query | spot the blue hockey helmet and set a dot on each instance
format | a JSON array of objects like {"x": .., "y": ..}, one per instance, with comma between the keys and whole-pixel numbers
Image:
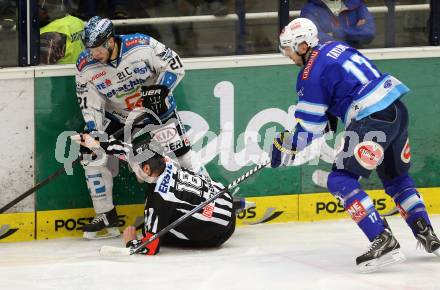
[{"x": 97, "y": 31}]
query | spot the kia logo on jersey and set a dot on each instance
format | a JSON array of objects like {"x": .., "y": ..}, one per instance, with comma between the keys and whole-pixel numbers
[{"x": 165, "y": 135}]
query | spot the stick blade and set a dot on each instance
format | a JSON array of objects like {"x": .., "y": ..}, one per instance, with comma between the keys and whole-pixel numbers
[{"x": 114, "y": 251}]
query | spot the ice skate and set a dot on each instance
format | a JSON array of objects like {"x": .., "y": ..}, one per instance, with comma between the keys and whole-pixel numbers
[
  {"x": 383, "y": 251},
  {"x": 103, "y": 226},
  {"x": 426, "y": 237}
]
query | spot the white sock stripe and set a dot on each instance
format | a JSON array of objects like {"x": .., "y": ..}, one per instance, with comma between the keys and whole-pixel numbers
[
  {"x": 410, "y": 202},
  {"x": 367, "y": 203},
  {"x": 402, "y": 192}
]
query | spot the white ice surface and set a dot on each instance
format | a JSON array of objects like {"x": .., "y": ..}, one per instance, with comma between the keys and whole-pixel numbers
[{"x": 318, "y": 255}]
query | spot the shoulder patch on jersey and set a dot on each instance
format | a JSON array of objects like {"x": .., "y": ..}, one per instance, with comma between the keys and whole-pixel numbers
[
  {"x": 309, "y": 65},
  {"x": 131, "y": 41},
  {"x": 84, "y": 59}
]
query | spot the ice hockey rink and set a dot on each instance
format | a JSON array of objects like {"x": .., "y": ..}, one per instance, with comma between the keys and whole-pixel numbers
[{"x": 318, "y": 255}]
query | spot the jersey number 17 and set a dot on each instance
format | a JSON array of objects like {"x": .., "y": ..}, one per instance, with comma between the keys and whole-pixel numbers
[{"x": 358, "y": 66}]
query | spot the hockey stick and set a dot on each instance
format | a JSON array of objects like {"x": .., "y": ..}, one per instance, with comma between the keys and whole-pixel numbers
[
  {"x": 119, "y": 251},
  {"x": 62, "y": 170}
]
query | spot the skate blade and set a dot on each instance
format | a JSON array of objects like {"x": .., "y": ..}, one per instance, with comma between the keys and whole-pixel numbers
[
  {"x": 103, "y": 234},
  {"x": 395, "y": 256}
]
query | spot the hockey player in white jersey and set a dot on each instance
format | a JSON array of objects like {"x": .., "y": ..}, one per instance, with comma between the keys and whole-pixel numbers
[{"x": 112, "y": 74}]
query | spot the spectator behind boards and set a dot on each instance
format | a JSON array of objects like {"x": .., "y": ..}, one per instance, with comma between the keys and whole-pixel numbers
[
  {"x": 60, "y": 34},
  {"x": 346, "y": 20}
]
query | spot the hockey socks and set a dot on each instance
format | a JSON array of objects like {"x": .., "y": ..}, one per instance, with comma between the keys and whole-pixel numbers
[
  {"x": 408, "y": 200},
  {"x": 346, "y": 187}
]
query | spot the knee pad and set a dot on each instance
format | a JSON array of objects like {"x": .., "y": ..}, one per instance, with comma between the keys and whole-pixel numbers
[
  {"x": 405, "y": 195},
  {"x": 100, "y": 185}
]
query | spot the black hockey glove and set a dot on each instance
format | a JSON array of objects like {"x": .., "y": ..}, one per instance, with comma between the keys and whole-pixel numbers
[
  {"x": 111, "y": 147},
  {"x": 154, "y": 98},
  {"x": 332, "y": 123},
  {"x": 282, "y": 151},
  {"x": 116, "y": 147}
]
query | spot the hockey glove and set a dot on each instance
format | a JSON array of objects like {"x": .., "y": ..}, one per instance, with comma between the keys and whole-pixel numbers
[
  {"x": 91, "y": 144},
  {"x": 150, "y": 249},
  {"x": 282, "y": 151},
  {"x": 332, "y": 123},
  {"x": 116, "y": 147},
  {"x": 155, "y": 98}
]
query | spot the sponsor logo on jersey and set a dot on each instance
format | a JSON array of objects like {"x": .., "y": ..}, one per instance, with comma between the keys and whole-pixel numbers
[
  {"x": 309, "y": 65},
  {"x": 98, "y": 75},
  {"x": 125, "y": 89},
  {"x": 164, "y": 185},
  {"x": 122, "y": 116},
  {"x": 164, "y": 135},
  {"x": 104, "y": 84},
  {"x": 82, "y": 63},
  {"x": 369, "y": 154},
  {"x": 173, "y": 146},
  {"x": 208, "y": 210},
  {"x": 80, "y": 88},
  {"x": 301, "y": 92},
  {"x": 6, "y": 231},
  {"x": 387, "y": 84},
  {"x": 405, "y": 155},
  {"x": 133, "y": 42},
  {"x": 127, "y": 72},
  {"x": 167, "y": 53},
  {"x": 357, "y": 211}
]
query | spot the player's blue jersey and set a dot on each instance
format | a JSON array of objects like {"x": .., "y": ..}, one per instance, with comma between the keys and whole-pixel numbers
[{"x": 339, "y": 80}]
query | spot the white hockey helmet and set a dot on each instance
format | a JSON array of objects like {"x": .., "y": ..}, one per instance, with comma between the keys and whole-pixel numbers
[{"x": 298, "y": 31}]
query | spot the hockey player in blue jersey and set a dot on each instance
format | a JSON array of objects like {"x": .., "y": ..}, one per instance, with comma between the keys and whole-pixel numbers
[{"x": 338, "y": 80}]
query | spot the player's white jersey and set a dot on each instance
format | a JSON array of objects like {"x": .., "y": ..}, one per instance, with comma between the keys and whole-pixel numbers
[{"x": 115, "y": 88}]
